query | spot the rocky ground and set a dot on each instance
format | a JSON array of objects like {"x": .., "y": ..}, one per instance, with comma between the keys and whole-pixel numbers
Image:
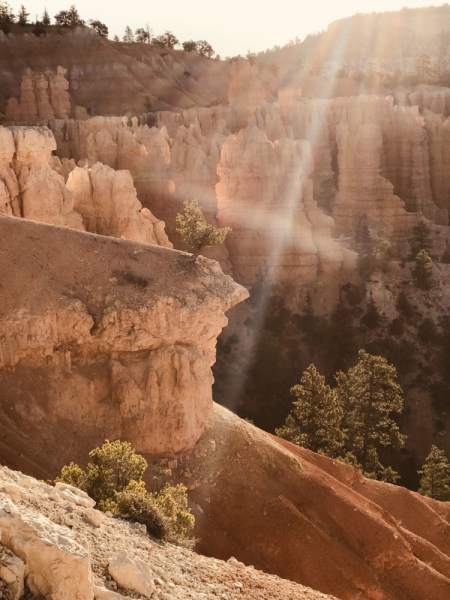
[{"x": 57, "y": 523}]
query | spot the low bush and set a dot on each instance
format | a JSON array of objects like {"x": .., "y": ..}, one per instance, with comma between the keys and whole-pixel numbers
[{"x": 114, "y": 480}]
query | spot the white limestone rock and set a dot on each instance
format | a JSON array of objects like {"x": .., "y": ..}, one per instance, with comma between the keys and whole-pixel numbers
[
  {"x": 131, "y": 573},
  {"x": 57, "y": 566},
  {"x": 75, "y": 495},
  {"x": 94, "y": 516}
]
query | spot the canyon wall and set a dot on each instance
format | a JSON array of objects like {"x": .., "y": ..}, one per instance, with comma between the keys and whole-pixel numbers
[
  {"x": 106, "y": 337},
  {"x": 98, "y": 199},
  {"x": 265, "y": 196},
  {"x": 288, "y": 176},
  {"x": 44, "y": 96}
]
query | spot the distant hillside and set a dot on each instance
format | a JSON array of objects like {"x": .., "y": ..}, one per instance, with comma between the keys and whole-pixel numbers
[
  {"x": 111, "y": 78},
  {"x": 374, "y": 50}
]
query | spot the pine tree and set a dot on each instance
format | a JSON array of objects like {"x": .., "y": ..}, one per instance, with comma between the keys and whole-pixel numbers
[
  {"x": 421, "y": 238},
  {"x": 99, "y": 27},
  {"x": 69, "y": 18},
  {"x": 424, "y": 69},
  {"x": 189, "y": 46},
  {"x": 423, "y": 270},
  {"x": 368, "y": 395},
  {"x": 6, "y": 13},
  {"x": 128, "y": 36},
  {"x": 435, "y": 480},
  {"x": 403, "y": 306},
  {"x": 315, "y": 420},
  {"x": 23, "y": 16},
  {"x": 204, "y": 48},
  {"x": 46, "y": 18},
  {"x": 167, "y": 40},
  {"x": 195, "y": 231},
  {"x": 144, "y": 34},
  {"x": 308, "y": 325},
  {"x": 341, "y": 337},
  {"x": 372, "y": 317}
]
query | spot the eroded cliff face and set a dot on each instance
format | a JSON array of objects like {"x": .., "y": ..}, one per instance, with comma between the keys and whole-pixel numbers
[
  {"x": 29, "y": 188},
  {"x": 98, "y": 199},
  {"x": 44, "y": 96},
  {"x": 104, "y": 338},
  {"x": 370, "y": 158},
  {"x": 265, "y": 196}
]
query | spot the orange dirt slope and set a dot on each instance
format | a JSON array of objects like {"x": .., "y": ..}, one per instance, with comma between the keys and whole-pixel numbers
[{"x": 313, "y": 520}]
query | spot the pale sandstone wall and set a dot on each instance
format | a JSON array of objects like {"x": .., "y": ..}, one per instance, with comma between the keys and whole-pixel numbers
[
  {"x": 107, "y": 202},
  {"x": 29, "y": 187},
  {"x": 265, "y": 196},
  {"x": 362, "y": 190},
  {"x": 44, "y": 96},
  {"x": 99, "y": 199}
]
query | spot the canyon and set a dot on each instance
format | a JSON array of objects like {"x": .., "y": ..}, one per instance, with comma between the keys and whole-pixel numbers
[{"x": 109, "y": 328}]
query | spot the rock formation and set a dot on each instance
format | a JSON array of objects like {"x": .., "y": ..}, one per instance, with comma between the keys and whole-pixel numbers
[
  {"x": 44, "y": 96},
  {"x": 29, "y": 188},
  {"x": 265, "y": 196},
  {"x": 123, "y": 334},
  {"x": 389, "y": 167},
  {"x": 99, "y": 199},
  {"x": 107, "y": 202},
  {"x": 362, "y": 190}
]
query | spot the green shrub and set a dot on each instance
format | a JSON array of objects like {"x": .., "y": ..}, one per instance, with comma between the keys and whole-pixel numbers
[
  {"x": 114, "y": 480},
  {"x": 142, "y": 507},
  {"x": 195, "y": 231},
  {"x": 173, "y": 502}
]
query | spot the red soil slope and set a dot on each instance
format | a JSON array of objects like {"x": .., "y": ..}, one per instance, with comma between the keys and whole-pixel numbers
[{"x": 313, "y": 520}]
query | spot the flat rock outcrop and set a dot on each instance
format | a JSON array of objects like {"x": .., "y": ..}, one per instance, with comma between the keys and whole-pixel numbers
[{"x": 106, "y": 336}]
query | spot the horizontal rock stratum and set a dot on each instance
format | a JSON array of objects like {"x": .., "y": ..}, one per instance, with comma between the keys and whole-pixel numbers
[{"x": 103, "y": 338}]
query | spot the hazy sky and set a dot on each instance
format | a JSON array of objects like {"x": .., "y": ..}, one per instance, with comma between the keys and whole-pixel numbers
[{"x": 230, "y": 26}]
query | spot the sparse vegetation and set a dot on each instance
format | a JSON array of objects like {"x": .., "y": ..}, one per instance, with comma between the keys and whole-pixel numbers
[
  {"x": 195, "y": 231},
  {"x": 435, "y": 480},
  {"x": 114, "y": 480},
  {"x": 351, "y": 421},
  {"x": 315, "y": 420},
  {"x": 422, "y": 272}
]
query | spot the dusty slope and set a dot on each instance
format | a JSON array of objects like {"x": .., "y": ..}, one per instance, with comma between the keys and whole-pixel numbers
[
  {"x": 313, "y": 520},
  {"x": 175, "y": 573}
]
